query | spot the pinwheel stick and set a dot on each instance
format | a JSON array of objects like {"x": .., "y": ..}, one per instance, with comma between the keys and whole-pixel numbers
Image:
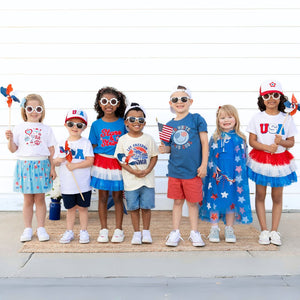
[{"x": 77, "y": 185}]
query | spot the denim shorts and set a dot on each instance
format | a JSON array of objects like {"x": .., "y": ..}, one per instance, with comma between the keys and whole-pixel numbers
[{"x": 143, "y": 198}]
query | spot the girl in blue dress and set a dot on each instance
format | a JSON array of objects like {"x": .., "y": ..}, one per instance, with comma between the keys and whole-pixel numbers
[{"x": 226, "y": 190}]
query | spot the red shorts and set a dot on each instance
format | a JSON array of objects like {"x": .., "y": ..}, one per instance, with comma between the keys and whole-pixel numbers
[{"x": 189, "y": 189}]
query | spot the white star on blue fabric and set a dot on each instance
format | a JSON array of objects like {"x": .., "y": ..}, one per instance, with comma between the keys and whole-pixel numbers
[
  {"x": 214, "y": 145},
  {"x": 208, "y": 206},
  {"x": 237, "y": 159},
  {"x": 224, "y": 195},
  {"x": 238, "y": 178},
  {"x": 245, "y": 219},
  {"x": 241, "y": 199},
  {"x": 209, "y": 185},
  {"x": 210, "y": 164}
]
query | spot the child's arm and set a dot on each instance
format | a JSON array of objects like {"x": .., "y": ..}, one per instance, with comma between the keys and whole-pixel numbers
[
  {"x": 52, "y": 166},
  {"x": 288, "y": 143},
  {"x": 88, "y": 162},
  {"x": 201, "y": 171},
  {"x": 259, "y": 146},
  {"x": 162, "y": 148},
  {"x": 12, "y": 147}
]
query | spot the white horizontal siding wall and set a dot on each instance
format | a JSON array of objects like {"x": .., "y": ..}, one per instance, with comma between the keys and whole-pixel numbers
[{"x": 67, "y": 50}]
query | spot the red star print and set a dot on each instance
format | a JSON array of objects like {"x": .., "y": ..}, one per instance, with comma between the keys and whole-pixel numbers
[
  {"x": 217, "y": 155},
  {"x": 232, "y": 206},
  {"x": 214, "y": 196},
  {"x": 214, "y": 216}
]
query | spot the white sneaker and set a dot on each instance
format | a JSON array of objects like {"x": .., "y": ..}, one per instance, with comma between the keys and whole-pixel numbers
[
  {"x": 67, "y": 237},
  {"x": 214, "y": 235},
  {"x": 264, "y": 237},
  {"x": 229, "y": 235},
  {"x": 195, "y": 238},
  {"x": 173, "y": 238},
  {"x": 26, "y": 235},
  {"x": 136, "y": 238},
  {"x": 84, "y": 237},
  {"x": 42, "y": 234},
  {"x": 118, "y": 236},
  {"x": 275, "y": 238},
  {"x": 103, "y": 236},
  {"x": 147, "y": 239}
]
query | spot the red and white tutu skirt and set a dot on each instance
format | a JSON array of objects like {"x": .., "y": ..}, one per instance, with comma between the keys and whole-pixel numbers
[
  {"x": 106, "y": 173},
  {"x": 275, "y": 170}
]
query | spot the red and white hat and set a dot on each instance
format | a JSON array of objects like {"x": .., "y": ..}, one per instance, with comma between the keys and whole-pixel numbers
[
  {"x": 270, "y": 86},
  {"x": 77, "y": 113}
]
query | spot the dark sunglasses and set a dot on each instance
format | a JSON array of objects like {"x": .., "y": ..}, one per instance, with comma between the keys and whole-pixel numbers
[
  {"x": 275, "y": 96},
  {"x": 30, "y": 109},
  {"x": 182, "y": 99},
  {"x": 140, "y": 120},
  {"x": 112, "y": 101},
  {"x": 78, "y": 125}
]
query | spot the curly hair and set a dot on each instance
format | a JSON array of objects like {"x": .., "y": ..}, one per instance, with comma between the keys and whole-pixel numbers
[
  {"x": 281, "y": 106},
  {"x": 119, "y": 95}
]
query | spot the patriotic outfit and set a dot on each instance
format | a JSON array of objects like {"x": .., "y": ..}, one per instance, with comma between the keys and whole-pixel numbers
[
  {"x": 106, "y": 171},
  {"x": 226, "y": 188},
  {"x": 32, "y": 172},
  {"x": 267, "y": 169}
]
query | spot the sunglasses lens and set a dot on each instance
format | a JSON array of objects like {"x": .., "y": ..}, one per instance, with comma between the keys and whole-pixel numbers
[
  {"x": 113, "y": 101},
  {"x": 266, "y": 97},
  {"x": 276, "y": 96},
  {"x": 79, "y": 125},
  {"x": 39, "y": 109},
  {"x": 174, "y": 100},
  {"x": 70, "y": 124},
  {"x": 184, "y": 99},
  {"x": 29, "y": 109},
  {"x": 103, "y": 101},
  {"x": 131, "y": 119},
  {"x": 141, "y": 120}
]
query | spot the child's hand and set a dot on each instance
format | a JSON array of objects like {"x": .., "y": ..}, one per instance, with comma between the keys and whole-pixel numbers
[
  {"x": 71, "y": 166},
  {"x": 278, "y": 139},
  {"x": 9, "y": 134},
  {"x": 162, "y": 148},
  {"x": 53, "y": 174},
  {"x": 201, "y": 171},
  {"x": 58, "y": 161},
  {"x": 140, "y": 173},
  {"x": 273, "y": 148}
]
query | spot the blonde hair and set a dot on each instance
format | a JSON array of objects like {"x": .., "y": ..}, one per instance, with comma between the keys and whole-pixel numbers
[
  {"x": 230, "y": 111},
  {"x": 41, "y": 103}
]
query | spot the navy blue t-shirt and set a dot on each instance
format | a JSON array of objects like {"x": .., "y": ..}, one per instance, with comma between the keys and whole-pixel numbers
[{"x": 186, "y": 149}]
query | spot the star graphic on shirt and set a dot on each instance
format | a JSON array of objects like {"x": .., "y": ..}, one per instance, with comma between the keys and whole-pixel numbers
[
  {"x": 237, "y": 159},
  {"x": 214, "y": 145},
  {"x": 238, "y": 169},
  {"x": 239, "y": 189},
  {"x": 241, "y": 199},
  {"x": 232, "y": 206},
  {"x": 237, "y": 148},
  {"x": 210, "y": 164},
  {"x": 238, "y": 179},
  {"x": 208, "y": 206},
  {"x": 245, "y": 219},
  {"x": 214, "y": 196},
  {"x": 242, "y": 210},
  {"x": 224, "y": 195},
  {"x": 209, "y": 185}
]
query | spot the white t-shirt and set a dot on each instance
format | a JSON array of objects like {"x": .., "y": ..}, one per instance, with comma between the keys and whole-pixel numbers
[
  {"x": 81, "y": 149},
  {"x": 33, "y": 139},
  {"x": 265, "y": 127},
  {"x": 138, "y": 152}
]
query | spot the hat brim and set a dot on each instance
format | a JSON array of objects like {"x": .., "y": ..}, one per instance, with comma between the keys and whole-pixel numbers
[{"x": 76, "y": 117}]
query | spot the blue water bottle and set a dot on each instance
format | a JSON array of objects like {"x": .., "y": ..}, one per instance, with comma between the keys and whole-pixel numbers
[{"x": 54, "y": 210}]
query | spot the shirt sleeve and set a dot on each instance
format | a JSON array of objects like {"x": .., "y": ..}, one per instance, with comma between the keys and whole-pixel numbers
[
  {"x": 51, "y": 141},
  {"x": 201, "y": 123},
  {"x": 93, "y": 136}
]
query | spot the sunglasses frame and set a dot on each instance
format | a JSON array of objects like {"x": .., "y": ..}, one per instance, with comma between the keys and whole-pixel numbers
[
  {"x": 74, "y": 123},
  {"x": 34, "y": 109},
  {"x": 176, "y": 99},
  {"x": 109, "y": 101},
  {"x": 271, "y": 94},
  {"x": 136, "y": 119}
]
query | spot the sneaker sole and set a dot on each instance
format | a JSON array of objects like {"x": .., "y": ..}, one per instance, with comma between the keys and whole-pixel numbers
[
  {"x": 264, "y": 243},
  {"x": 84, "y": 242},
  {"x": 276, "y": 243},
  {"x": 117, "y": 241},
  {"x": 171, "y": 245},
  {"x": 198, "y": 244},
  {"x": 230, "y": 241},
  {"x": 65, "y": 242},
  {"x": 25, "y": 240},
  {"x": 44, "y": 239},
  {"x": 214, "y": 240},
  {"x": 102, "y": 241}
]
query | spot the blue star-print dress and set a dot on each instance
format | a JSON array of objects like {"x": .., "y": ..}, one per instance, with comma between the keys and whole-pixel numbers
[{"x": 226, "y": 188}]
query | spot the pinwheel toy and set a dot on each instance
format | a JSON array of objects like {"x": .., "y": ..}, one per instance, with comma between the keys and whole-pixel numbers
[
  {"x": 291, "y": 109},
  {"x": 8, "y": 93}
]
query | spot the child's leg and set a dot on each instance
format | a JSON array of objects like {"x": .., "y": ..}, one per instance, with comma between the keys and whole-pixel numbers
[
  {"x": 277, "y": 207},
  {"x": 177, "y": 212},
  {"x": 193, "y": 213},
  {"x": 118, "y": 199},
  {"x": 83, "y": 217},
  {"x": 28, "y": 209},
  {"x": 146, "y": 216},
  {"x": 229, "y": 219},
  {"x": 71, "y": 214},
  {"x": 40, "y": 209},
  {"x": 135, "y": 219},
  {"x": 260, "y": 195},
  {"x": 102, "y": 207}
]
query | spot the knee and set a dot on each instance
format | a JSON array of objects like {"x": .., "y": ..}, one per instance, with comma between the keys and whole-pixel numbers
[{"x": 178, "y": 203}]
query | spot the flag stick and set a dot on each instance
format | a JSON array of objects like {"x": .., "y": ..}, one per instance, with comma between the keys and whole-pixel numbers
[{"x": 77, "y": 185}]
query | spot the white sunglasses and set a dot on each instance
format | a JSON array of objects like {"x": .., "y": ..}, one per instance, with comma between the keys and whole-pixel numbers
[
  {"x": 30, "y": 109},
  {"x": 112, "y": 101},
  {"x": 275, "y": 96}
]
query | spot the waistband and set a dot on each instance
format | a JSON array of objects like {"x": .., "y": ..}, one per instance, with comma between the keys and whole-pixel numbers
[{"x": 33, "y": 158}]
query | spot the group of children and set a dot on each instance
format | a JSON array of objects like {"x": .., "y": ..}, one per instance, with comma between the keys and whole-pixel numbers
[{"x": 119, "y": 157}]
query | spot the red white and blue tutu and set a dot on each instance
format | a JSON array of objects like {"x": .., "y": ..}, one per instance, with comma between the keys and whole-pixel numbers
[
  {"x": 107, "y": 173},
  {"x": 275, "y": 170}
]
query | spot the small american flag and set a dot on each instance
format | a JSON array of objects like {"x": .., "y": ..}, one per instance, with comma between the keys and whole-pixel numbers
[{"x": 165, "y": 132}]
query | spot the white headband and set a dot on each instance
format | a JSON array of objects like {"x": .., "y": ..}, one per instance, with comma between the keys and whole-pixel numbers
[
  {"x": 187, "y": 91},
  {"x": 129, "y": 107}
]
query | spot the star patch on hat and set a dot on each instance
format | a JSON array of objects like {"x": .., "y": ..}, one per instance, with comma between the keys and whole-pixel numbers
[{"x": 270, "y": 86}]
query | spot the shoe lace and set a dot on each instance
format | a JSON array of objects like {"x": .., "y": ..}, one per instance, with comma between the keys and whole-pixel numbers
[{"x": 174, "y": 236}]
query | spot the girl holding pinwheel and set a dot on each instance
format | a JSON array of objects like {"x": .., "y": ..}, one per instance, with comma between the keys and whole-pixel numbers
[
  {"x": 33, "y": 143},
  {"x": 270, "y": 163},
  {"x": 226, "y": 190}
]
